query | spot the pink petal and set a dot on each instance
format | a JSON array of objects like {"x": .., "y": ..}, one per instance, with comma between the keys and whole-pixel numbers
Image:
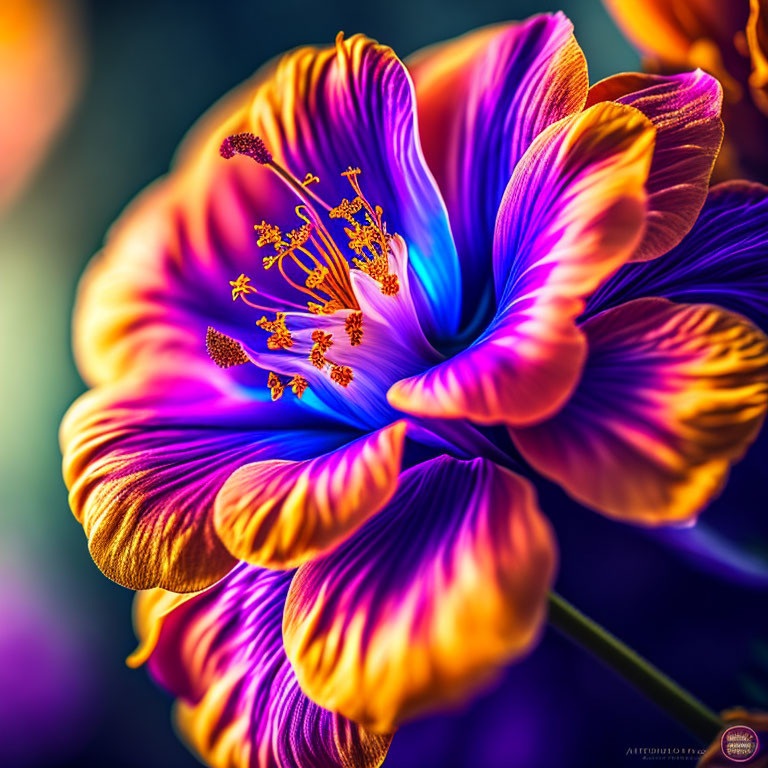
[{"x": 573, "y": 212}]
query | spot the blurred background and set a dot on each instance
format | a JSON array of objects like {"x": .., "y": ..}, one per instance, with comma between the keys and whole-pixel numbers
[{"x": 94, "y": 99}]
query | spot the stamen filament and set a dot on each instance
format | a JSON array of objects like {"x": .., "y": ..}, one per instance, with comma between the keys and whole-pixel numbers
[
  {"x": 282, "y": 304},
  {"x": 304, "y": 193},
  {"x": 311, "y": 256},
  {"x": 298, "y": 261},
  {"x": 290, "y": 282}
]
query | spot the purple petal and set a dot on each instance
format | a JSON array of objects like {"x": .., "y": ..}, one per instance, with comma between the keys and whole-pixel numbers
[
  {"x": 354, "y": 105},
  {"x": 671, "y": 396},
  {"x": 723, "y": 260},
  {"x": 163, "y": 276},
  {"x": 145, "y": 459},
  {"x": 239, "y": 704},
  {"x": 483, "y": 98},
  {"x": 685, "y": 109},
  {"x": 428, "y": 599},
  {"x": 572, "y": 213}
]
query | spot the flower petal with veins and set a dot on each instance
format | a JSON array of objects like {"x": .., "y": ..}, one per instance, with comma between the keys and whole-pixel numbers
[
  {"x": 573, "y": 212},
  {"x": 671, "y": 396},
  {"x": 427, "y": 600},
  {"x": 279, "y": 513},
  {"x": 239, "y": 704}
]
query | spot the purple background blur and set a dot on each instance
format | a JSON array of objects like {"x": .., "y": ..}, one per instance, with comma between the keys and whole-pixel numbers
[{"x": 66, "y": 698}]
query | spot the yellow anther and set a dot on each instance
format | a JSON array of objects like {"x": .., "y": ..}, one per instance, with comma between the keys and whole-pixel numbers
[
  {"x": 223, "y": 350},
  {"x": 280, "y": 337},
  {"x": 298, "y": 384},
  {"x": 354, "y": 328},
  {"x": 311, "y": 262},
  {"x": 241, "y": 286},
  {"x": 276, "y": 386},
  {"x": 316, "y": 277},
  {"x": 390, "y": 285},
  {"x": 269, "y": 234},
  {"x": 377, "y": 268},
  {"x": 297, "y": 237},
  {"x": 362, "y": 237},
  {"x": 347, "y": 210},
  {"x": 316, "y": 357},
  {"x": 324, "y": 309},
  {"x": 323, "y": 341},
  {"x": 341, "y": 374}
]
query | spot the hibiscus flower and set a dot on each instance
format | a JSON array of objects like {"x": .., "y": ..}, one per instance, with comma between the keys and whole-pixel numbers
[{"x": 315, "y": 445}]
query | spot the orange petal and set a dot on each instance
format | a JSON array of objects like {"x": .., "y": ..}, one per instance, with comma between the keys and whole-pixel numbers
[
  {"x": 672, "y": 395},
  {"x": 685, "y": 110},
  {"x": 144, "y": 460},
  {"x": 427, "y": 601},
  {"x": 671, "y": 32},
  {"x": 279, "y": 514}
]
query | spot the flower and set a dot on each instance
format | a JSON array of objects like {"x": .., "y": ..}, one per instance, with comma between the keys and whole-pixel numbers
[
  {"x": 726, "y": 39},
  {"x": 505, "y": 288}
]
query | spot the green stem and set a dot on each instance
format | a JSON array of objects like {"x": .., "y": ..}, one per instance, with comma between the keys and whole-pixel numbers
[{"x": 694, "y": 716}]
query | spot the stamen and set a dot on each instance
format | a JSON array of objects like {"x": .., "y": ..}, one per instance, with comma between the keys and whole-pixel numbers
[
  {"x": 298, "y": 384},
  {"x": 347, "y": 210},
  {"x": 323, "y": 341},
  {"x": 241, "y": 286},
  {"x": 280, "y": 337},
  {"x": 245, "y": 144},
  {"x": 316, "y": 277},
  {"x": 324, "y": 309},
  {"x": 354, "y": 328},
  {"x": 341, "y": 374},
  {"x": 223, "y": 350},
  {"x": 324, "y": 272},
  {"x": 390, "y": 285},
  {"x": 276, "y": 386},
  {"x": 268, "y": 235},
  {"x": 316, "y": 357}
]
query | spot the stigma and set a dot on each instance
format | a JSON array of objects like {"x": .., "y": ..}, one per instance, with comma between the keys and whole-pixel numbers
[{"x": 313, "y": 265}]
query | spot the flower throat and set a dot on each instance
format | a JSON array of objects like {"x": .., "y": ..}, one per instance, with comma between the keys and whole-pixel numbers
[{"x": 321, "y": 271}]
